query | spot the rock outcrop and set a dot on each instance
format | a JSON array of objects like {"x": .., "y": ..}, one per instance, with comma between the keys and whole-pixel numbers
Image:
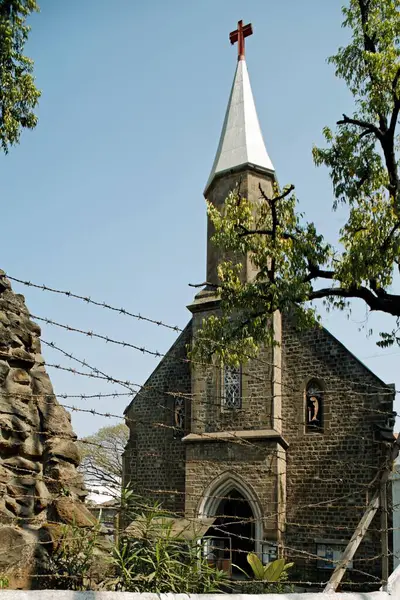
[{"x": 39, "y": 481}]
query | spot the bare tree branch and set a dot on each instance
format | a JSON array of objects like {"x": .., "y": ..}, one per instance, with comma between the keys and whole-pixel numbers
[
  {"x": 276, "y": 198},
  {"x": 369, "y": 127}
]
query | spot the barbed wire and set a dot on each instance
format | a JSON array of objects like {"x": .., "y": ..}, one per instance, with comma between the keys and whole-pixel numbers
[
  {"x": 88, "y": 300},
  {"x": 102, "y": 374},
  {"x": 358, "y": 487},
  {"x": 188, "y": 395},
  {"x": 206, "y": 435},
  {"x": 154, "y": 424},
  {"x": 300, "y": 551},
  {"x": 99, "y": 336},
  {"x": 384, "y": 388},
  {"x": 234, "y": 435},
  {"x": 158, "y": 354}
]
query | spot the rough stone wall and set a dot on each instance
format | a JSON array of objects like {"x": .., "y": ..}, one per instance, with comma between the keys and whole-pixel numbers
[
  {"x": 39, "y": 481},
  {"x": 155, "y": 456},
  {"x": 329, "y": 474}
]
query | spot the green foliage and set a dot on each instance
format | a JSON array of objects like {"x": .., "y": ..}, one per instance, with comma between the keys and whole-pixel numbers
[
  {"x": 361, "y": 156},
  {"x": 272, "y": 572},
  {"x": 155, "y": 560},
  {"x": 4, "y": 582},
  {"x": 294, "y": 266},
  {"x": 160, "y": 562},
  {"x": 18, "y": 94},
  {"x": 282, "y": 249},
  {"x": 71, "y": 561},
  {"x": 267, "y": 579}
]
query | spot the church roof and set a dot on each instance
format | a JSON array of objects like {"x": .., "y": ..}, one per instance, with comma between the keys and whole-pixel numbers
[{"x": 241, "y": 140}]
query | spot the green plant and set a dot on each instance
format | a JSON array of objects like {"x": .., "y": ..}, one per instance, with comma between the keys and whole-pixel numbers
[
  {"x": 270, "y": 578},
  {"x": 158, "y": 561},
  {"x": 71, "y": 561},
  {"x": 272, "y": 572},
  {"x": 4, "y": 582}
]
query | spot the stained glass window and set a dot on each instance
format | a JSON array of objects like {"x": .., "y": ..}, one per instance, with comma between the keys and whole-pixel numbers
[{"x": 232, "y": 392}]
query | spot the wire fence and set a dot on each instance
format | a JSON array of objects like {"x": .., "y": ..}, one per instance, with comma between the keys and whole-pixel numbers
[{"x": 322, "y": 499}]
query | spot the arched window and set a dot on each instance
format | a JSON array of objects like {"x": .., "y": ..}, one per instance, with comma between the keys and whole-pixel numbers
[
  {"x": 314, "y": 418},
  {"x": 231, "y": 387}
]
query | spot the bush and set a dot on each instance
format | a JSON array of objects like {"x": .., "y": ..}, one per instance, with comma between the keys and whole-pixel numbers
[
  {"x": 72, "y": 558},
  {"x": 161, "y": 562}
]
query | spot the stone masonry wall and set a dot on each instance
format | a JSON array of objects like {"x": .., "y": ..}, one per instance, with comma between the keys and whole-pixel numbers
[
  {"x": 248, "y": 184},
  {"x": 208, "y": 411},
  {"x": 155, "y": 456},
  {"x": 329, "y": 474},
  {"x": 254, "y": 463},
  {"x": 39, "y": 482}
]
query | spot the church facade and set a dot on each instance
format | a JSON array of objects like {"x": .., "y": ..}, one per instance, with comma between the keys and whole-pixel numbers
[{"x": 281, "y": 456}]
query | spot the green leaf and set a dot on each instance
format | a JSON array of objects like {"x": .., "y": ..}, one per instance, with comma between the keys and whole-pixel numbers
[
  {"x": 274, "y": 570},
  {"x": 256, "y": 566}
]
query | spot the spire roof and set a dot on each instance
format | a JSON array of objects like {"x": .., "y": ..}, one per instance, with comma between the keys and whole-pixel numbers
[{"x": 241, "y": 142}]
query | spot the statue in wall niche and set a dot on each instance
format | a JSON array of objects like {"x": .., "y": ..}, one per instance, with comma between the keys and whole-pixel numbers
[
  {"x": 179, "y": 414},
  {"x": 40, "y": 485},
  {"x": 313, "y": 409}
]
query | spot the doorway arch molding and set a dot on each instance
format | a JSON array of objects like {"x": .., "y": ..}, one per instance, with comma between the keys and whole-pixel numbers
[{"x": 220, "y": 487}]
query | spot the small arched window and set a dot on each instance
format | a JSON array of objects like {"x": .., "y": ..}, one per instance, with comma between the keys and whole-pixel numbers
[{"x": 314, "y": 418}]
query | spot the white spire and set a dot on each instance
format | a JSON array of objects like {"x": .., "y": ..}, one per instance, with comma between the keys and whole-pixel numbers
[{"x": 241, "y": 140}]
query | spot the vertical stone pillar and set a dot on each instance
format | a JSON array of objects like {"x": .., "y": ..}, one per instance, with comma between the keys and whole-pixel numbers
[{"x": 39, "y": 456}]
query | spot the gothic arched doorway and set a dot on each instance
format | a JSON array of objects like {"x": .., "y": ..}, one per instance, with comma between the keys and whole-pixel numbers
[
  {"x": 232, "y": 535},
  {"x": 237, "y": 529}
]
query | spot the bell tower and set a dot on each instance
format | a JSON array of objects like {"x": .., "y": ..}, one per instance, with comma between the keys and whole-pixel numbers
[
  {"x": 236, "y": 422},
  {"x": 241, "y": 159}
]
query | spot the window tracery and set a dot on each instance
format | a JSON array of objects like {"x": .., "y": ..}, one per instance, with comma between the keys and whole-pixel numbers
[{"x": 232, "y": 387}]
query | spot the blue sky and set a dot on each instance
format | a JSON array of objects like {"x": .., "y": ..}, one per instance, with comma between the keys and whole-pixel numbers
[{"x": 105, "y": 199}]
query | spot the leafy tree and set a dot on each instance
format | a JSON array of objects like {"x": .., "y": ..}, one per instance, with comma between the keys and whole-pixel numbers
[
  {"x": 102, "y": 457},
  {"x": 295, "y": 265},
  {"x": 18, "y": 94}
]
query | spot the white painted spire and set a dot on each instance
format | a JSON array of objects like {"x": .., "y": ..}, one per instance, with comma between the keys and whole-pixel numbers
[{"x": 241, "y": 140}]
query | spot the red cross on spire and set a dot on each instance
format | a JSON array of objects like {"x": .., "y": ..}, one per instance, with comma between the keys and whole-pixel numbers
[{"x": 238, "y": 36}]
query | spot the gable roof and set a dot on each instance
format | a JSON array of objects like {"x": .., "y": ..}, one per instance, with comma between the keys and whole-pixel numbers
[{"x": 186, "y": 332}]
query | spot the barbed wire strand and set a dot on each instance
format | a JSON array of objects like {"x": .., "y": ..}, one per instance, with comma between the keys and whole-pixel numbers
[{"x": 89, "y": 300}]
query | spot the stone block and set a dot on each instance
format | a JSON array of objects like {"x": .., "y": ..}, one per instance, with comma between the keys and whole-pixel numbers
[
  {"x": 71, "y": 512},
  {"x": 66, "y": 450}
]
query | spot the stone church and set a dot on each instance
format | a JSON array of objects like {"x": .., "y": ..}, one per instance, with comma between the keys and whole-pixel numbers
[{"x": 281, "y": 456}]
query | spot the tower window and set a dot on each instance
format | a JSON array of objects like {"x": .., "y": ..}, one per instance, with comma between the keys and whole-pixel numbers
[
  {"x": 232, "y": 387},
  {"x": 314, "y": 407}
]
